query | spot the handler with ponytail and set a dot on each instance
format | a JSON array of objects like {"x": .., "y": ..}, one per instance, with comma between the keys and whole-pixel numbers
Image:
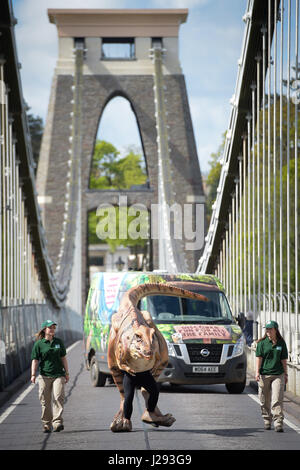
[
  {"x": 49, "y": 353},
  {"x": 271, "y": 375}
]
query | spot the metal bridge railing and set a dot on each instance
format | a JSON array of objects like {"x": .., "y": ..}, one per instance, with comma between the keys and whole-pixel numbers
[
  {"x": 27, "y": 273},
  {"x": 26, "y": 269},
  {"x": 252, "y": 241},
  {"x": 30, "y": 289},
  {"x": 19, "y": 279},
  {"x": 18, "y": 324}
]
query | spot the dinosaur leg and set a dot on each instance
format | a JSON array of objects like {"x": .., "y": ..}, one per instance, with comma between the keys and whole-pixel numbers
[
  {"x": 120, "y": 423},
  {"x": 161, "y": 359},
  {"x": 155, "y": 418},
  {"x": 145, "y": 394}
]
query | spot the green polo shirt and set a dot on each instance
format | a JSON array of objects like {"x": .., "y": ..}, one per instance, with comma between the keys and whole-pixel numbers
[
  {"x": 272, "y": 355},
  {"x": 49, "y": 355}
]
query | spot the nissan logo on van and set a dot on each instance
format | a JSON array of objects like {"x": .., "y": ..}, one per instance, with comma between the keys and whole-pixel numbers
[{"x": 204, "y": 352}]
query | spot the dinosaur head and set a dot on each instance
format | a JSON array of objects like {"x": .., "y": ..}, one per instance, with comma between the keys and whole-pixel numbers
[{"x": 143, "y": 343}]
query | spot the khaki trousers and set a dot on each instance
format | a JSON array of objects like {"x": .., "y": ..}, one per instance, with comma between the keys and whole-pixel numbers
[
  {"x": 52, "y": 395},
  {"x": 271, "y": 392}
]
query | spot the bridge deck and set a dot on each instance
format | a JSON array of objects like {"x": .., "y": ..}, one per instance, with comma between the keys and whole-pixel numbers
[{"x": 208, "y": 418}]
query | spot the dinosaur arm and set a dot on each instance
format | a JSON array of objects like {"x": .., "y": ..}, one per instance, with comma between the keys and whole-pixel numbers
[
  {"x": 112, "y": 363},
  {"x": 116, "y": 320},
  {"x": 116, "y": 357},
  {"x": 111, "y": 357},
  {"x": 126, "y": 368},
  {"x": 162, "y": 356}
]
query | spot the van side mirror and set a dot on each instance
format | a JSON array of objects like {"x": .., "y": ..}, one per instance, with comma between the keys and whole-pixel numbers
[{"x": 241, "y": 320}]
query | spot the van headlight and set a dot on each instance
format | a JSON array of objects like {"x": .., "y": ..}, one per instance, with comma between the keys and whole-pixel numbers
[
  {"x": 171, "y": 349},
  {"x": 239, "y": 347}
]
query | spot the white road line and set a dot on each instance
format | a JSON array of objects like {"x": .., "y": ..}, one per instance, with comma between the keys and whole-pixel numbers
[
  {"x": 286, "y": 421},
  {"x": 11, "y": 408},
  {"x": 73, "y": 345},
  {"x": 143, "y": 424},
  {"x": 29, "y": 388}
]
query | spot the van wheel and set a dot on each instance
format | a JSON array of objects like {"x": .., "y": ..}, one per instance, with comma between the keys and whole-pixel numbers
[
  {"x": 236, "y": 387},
  {"x": 98, "y": 379}
]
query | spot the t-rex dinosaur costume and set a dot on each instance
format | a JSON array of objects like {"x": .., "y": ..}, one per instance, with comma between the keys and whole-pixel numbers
[{"x": 135, "y": 345}]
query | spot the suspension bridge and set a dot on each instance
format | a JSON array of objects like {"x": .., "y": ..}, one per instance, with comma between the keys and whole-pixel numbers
[{"x": 251, "y": 243}]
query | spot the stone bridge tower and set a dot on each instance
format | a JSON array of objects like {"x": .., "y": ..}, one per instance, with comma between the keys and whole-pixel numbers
[{"x": 103, "y": 78}]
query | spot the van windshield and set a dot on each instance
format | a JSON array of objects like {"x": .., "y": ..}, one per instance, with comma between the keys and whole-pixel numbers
[{"x": 166, "y": 309}]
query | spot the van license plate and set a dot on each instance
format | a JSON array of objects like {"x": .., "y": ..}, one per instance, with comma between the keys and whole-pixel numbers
[{"x": 206, "y": 369}]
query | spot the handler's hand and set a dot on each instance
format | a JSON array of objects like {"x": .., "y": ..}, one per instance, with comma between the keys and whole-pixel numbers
[
  {"x": 257, "y": 377},
  {"x": 32, "y": 379}
]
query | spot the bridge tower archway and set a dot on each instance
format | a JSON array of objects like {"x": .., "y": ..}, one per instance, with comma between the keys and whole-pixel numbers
[
  {"x": 119, "y": 125},
  {"x": 117, "y": 62}
]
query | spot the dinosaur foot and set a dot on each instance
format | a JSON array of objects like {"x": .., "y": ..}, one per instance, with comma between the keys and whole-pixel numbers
[
  {"x": 120, "y": 424},
  {"x": 154, "y": 420}
]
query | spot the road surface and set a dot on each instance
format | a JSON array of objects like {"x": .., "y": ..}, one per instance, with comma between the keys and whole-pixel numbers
[{"x": 207, "y": 418}]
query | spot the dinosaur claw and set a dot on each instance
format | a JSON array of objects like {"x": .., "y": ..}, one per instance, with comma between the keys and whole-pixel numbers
[
  {"x": 120, "y": 424},
  {"x": 158, "y": 420},
  {"x": 171, "y": 420}
]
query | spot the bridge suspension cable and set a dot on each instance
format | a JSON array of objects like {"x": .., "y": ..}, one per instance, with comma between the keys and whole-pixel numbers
[
  {"x": 27, "y": 273},
  {"x": 30, "y": 289},
  {"x": 73, "y": 192},
  {"x": 252, "y": 241},
  {"x": 171, "y": 252}
]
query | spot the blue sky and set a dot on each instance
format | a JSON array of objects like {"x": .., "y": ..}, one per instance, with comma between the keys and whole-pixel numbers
[{"x": 209, "y": 48}]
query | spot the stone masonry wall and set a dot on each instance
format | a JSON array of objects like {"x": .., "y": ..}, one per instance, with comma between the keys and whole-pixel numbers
[{"x": 97, "y": 91}]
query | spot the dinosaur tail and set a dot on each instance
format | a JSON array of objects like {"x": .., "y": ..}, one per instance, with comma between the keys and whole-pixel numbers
[{"x": 135, "y": 294}]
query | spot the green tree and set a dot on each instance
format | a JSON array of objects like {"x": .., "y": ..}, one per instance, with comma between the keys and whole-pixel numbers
[
  {"x": 287, "y": 207},
  {"x": 131, "y": 171},
  {"x": 281, "y": 141},
  {"x": 128, "y": 235},
  {"x": 36, "y": 129},
  {"x": 214, "y": 177},
  {"x": 109, "y": 171}
]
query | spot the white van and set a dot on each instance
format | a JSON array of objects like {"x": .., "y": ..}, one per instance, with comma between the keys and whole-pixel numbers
[{"x": 206, "y": 345}]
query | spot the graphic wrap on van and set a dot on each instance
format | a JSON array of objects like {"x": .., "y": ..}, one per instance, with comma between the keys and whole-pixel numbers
[
  {"x": 104, "y": 298},
  {"x": 206, "y": 334},
  {"x": 204, "y": 342},
  {"x": 103, "y": 301}
]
